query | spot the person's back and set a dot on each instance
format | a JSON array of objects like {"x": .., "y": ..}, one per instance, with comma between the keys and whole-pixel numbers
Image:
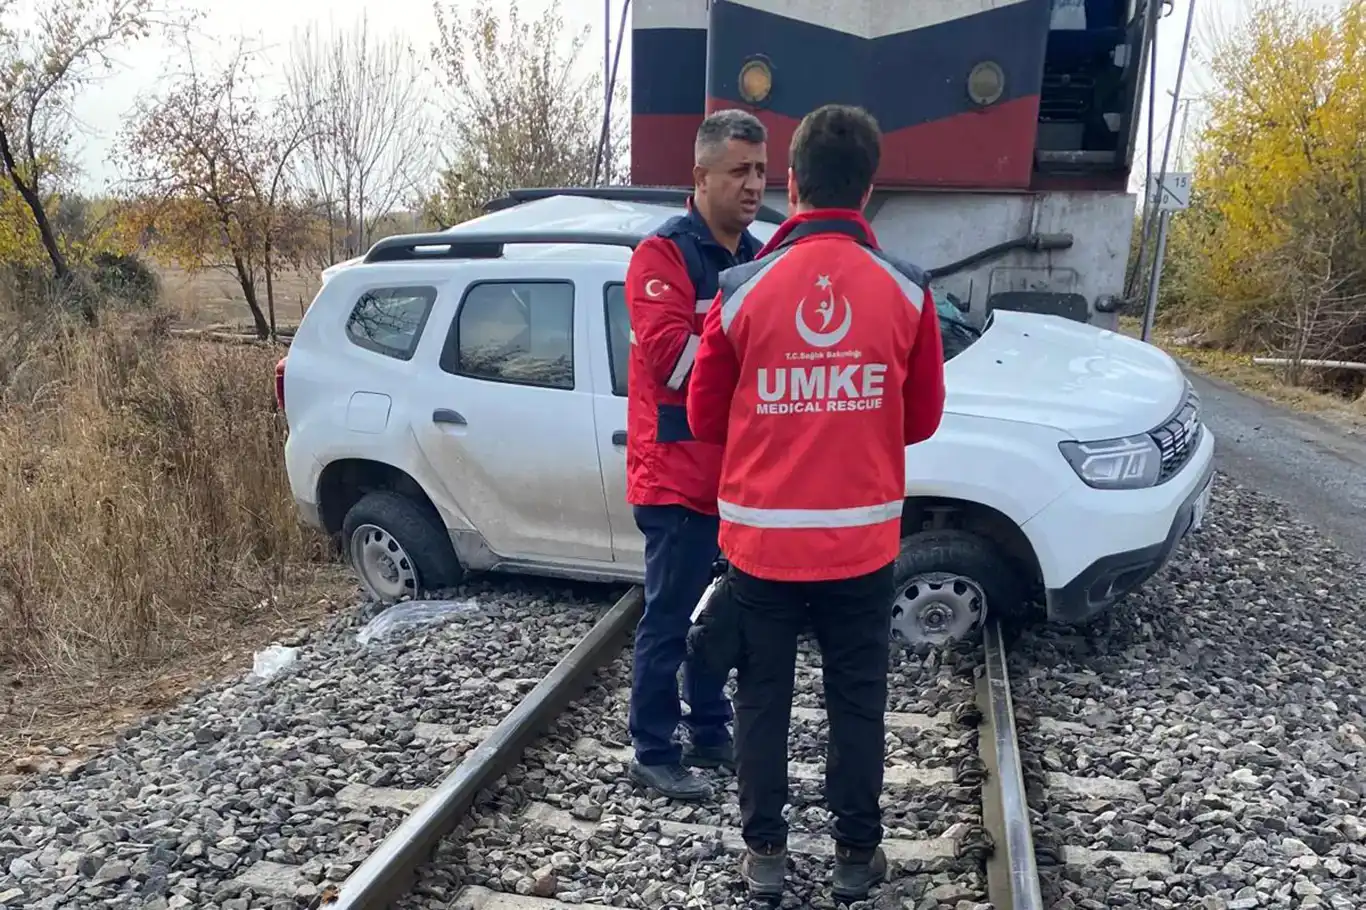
[
  {"x": 820, "y": 364},
  {"x": 837, "y": 373}
]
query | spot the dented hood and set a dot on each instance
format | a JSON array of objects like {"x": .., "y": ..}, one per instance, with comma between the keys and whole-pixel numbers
[{"x": 1089, "y": 383}]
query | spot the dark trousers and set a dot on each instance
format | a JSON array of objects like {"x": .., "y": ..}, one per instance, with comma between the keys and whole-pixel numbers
[
  {"x": 680, "y": 550},
  {"x": 852, "y": 623}
]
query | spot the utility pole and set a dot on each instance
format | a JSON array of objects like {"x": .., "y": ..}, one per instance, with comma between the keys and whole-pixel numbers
[
  {"x": 1164, "y": 217},
  {"x": 1181, "y": 137},
  {"x": 607, "y": 89}
]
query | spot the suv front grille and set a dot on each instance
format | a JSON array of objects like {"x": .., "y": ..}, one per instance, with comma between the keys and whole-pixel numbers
[{"x": 1179, "y": 437}]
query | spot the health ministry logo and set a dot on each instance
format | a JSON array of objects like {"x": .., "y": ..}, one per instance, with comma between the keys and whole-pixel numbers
[{"x": 826, "y": 310}]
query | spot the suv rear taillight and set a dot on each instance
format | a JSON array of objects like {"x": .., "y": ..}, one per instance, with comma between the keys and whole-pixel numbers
[{"x": 280, "y": 384}]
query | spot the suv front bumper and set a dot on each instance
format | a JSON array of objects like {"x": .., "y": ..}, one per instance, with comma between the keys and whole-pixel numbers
[{"x": 1116, "y": 540}]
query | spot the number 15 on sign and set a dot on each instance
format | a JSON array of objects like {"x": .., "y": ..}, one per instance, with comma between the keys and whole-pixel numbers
[{"x": 1172, "y": 192}]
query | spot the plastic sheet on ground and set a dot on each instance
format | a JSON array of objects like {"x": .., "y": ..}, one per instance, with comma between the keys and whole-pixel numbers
[
  {"x": 404, "y": 617},
  {"x": 267, "y": 663}
]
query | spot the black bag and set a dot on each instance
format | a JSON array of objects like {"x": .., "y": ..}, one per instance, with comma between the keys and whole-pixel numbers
[{"x": 714, "y": 640}]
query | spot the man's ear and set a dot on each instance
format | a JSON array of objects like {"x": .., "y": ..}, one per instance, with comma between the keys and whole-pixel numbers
[
  {"x": 791, "y": 191},
  {"x": 699, "y": 175},
  {"x": 866, "y": 196}
]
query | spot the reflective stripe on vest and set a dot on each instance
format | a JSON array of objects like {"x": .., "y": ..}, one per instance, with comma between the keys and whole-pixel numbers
[
  {"x": 684, "y": 364},
  {"x": 782, "y": 519},
  {"x": 731, "y": 306},
  {"x": 914, "y": 292}
]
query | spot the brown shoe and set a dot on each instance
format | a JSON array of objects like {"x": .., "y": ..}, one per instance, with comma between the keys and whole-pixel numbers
[
  {"x": 764, "y": 870},
  {"x": 857, "y": 871}
]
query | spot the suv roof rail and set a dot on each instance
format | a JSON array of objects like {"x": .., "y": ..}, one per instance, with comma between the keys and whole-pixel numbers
[
  {"x": 484, "y": 244},
  {"x": 653, "y": 195}
]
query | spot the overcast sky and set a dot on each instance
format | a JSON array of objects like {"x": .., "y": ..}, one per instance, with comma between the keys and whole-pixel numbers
[{"x": 103, "y": 110}]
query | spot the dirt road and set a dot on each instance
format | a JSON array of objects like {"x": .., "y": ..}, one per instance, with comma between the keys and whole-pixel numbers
[{"x": 1316, "y": 468}]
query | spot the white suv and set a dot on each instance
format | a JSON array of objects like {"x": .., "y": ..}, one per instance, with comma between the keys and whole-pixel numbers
[{"x": 457, "y": 402}]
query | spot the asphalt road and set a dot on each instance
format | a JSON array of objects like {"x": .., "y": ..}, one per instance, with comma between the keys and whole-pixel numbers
[{"x": 1316, "y": 468}]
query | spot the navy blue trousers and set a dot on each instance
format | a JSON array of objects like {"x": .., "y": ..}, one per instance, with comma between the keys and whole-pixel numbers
[{"x": 680, "y": 550}]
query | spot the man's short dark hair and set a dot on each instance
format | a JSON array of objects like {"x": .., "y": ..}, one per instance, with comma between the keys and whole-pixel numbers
[
  {"x": 723, "y": 126},
  {"x": 835, "y": 153}
]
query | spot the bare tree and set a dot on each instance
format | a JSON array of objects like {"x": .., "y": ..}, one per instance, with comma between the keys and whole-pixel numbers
[
  {"x": 370, "y": 127},
  {"x": 1319, "y": 306},
  {"x": 210, "y": 168},
  {"x": 41, "y": 70},
  {"x": 519, "y": 116}
]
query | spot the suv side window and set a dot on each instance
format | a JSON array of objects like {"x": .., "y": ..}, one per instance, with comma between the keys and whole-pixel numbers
[
  {"x": 389, "y": 321},
  {"x": 618, "y": 336},
  {"x": 514, "y": 331}
]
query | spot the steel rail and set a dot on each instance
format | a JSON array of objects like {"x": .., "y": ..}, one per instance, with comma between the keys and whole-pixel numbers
[
  {"x": 1012, "y": 875},
  {"x": 387, "y": 873}
]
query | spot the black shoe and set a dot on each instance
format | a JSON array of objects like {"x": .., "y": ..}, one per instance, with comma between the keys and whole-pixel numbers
[
  {"x": 722, "y": 756},
  {"x": 764, "y": 870},
  {"x": 672, "y": 781},
  {"x": 857, "y": 871}
]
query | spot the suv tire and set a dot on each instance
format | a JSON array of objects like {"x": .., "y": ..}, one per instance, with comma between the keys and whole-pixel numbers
[
  {"x": 397, "y": 548},
  {"x": 945, "y": 583}
]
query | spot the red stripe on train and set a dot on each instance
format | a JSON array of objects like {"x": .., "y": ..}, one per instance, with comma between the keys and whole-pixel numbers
[
  {"x": 991, "y": 149},
  {"x": 662, "y": 148}
]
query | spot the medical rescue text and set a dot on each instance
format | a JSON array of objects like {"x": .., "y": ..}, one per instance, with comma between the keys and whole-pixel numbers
[{"x": 821, "y": 388}]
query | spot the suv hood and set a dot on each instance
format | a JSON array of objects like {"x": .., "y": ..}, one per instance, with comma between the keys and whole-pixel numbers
[{"x": 1090, "y": 383}]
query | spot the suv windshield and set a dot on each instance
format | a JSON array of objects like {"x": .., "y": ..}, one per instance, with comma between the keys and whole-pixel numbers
[{"x": 957, "y": 335}]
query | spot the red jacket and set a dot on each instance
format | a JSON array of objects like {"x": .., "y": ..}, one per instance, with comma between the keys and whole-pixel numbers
[
  {"x": 821, "y": 364},
  {"x": 670, "y": 283}
]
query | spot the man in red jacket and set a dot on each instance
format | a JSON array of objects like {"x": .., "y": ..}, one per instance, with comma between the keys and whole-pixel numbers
[
  {"x": 820, "y": 364},
  {"x": 671, "y": 477}
]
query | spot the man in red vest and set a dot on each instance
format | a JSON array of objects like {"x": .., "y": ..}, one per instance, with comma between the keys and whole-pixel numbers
[
  {"x": 670, "y": 476},
  {"x": 821, "y": 362}
]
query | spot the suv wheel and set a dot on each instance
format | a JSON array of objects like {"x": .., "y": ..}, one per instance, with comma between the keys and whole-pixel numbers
[
  {"x": 397, "y": 548},
  {"x": 945, "y": 582}
]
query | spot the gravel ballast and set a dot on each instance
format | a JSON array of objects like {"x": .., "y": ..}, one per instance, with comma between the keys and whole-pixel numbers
[
  {"x": 1229, "y": 690},
  {"x": 1233, "y": 691},
  {"x": 621, "y": 857},
  {"x": 250, "y": 770}
]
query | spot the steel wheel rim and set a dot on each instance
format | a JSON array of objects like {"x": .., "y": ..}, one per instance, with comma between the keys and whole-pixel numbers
[
  {"x": 385, "y": 568},
  {"x": 938, "y": 608}
]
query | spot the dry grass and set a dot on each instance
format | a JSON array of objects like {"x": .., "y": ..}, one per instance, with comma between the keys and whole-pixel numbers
[
  {"x": 214, "y": 298},
  {"x": 1239, "y": 371},
  {"x": 150, "y": 531}
]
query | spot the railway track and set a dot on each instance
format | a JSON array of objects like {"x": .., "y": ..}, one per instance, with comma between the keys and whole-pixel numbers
[{"x": 961, "y": 802}]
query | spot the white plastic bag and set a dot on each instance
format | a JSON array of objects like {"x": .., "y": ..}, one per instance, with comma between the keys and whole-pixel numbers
[
  {"x": 267, "y": 663},
  {"x": 413, "y": 613}
]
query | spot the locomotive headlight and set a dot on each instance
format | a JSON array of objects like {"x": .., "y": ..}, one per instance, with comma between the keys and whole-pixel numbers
[
  {"x": 756, "y": 81},
  {"x": 1131, "y": 463},
  {"x": 986, "y": 83}
]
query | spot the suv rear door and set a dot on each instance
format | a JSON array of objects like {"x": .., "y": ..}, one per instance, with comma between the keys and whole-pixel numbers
[
  {"x": 506, "y": 414},
  {"x": 611, "y": 322}
]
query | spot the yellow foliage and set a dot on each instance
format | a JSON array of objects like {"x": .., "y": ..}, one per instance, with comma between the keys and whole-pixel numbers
[
  {"x": 21, "y": 244},
  {"x": 1280, "y": 173},
  {"x": 19, "y": 241}
]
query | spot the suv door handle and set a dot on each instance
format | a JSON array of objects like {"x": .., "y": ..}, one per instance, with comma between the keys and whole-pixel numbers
[
  {"x": 619, "y": 438},
  {"x": 446, "y": 415}
]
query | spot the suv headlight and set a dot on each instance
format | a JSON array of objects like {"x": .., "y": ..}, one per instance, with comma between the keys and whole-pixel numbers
[{"x": 1131, "y": 463}]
